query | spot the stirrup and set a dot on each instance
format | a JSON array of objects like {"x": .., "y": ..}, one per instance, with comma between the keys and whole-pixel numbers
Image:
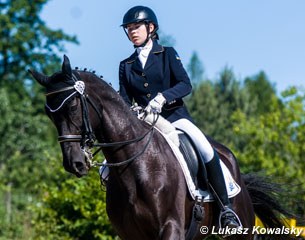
[{"x": 225, "y": 211}]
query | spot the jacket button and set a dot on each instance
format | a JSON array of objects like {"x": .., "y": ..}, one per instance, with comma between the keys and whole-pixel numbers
[
  {"x": 146, "y": 84},
  {"x": 143, "y": 74},
  {"x": 148, "y": 95}
]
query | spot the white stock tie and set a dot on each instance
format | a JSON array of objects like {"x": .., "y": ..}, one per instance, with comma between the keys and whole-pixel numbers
[{"x": 143, "y": 53}]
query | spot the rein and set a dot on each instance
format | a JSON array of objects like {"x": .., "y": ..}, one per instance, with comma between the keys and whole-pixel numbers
[{"x": 87, "y": 137}]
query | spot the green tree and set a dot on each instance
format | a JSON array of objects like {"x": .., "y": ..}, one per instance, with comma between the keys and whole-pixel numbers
[
  {"x": 202, "y": 106},
  {"x": 25, "y": 41},
  {"x": 23, "y": 161},
  {"x": 213, "y": 102},
  {"x": 195, "y": 69},
  {"x": 165, "y": 39},
  {"x": 274, "y": 141},
  {"x": 72, "y": 208},
  {"x": 261, "y": 92}
]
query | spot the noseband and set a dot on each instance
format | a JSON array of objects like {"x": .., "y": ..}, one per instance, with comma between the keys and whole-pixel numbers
[{"x": 87, "y": 138}]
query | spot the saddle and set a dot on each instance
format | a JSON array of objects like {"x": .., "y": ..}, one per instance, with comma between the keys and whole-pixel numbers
[
  {"x": 191, "y": 163},
  {"x": 193, "y": 160}
]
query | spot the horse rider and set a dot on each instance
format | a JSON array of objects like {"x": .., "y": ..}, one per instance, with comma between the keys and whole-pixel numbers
[{"x": 154, "y": 77}]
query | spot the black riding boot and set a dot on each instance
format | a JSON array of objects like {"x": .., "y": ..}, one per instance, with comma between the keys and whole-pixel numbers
[{"x": 227, "y": 218}]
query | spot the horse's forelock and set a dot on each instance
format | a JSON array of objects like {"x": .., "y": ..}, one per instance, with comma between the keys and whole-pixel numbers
[{"x": 58, "y": 81}]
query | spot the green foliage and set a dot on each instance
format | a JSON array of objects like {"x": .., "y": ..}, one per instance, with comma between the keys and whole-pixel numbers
[
  {"x": 265, "y": 132},
  {"x": 203, "y": 107},
  {"x": 27, "y": 136},
  {"x": 26, "y": 40},
  {"x": 23, "y": 161},
  {"x": 274, "y": 141},
  {"x": 166, "y": 40},
  {"x": 261, "y": 92},
  {"x": 212, "y": 103},
  {"x": 73, "y": 209},
  {"x": 195, "y": 69},
  {"x": 38, "y": 200},
  {"x": 15, "y": 220}
]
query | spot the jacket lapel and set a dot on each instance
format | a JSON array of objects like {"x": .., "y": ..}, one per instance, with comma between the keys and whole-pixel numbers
[
  {"x": 135, "y": 62},
  {"x": 137, "y": 66},
  {"x": 152, "y": 57}
]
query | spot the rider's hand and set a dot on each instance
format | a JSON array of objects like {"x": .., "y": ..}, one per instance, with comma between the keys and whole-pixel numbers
[{"x": 156, "y": 104}]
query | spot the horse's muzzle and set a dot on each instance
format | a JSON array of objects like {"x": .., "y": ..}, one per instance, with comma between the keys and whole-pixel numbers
[
  {"x": 80, "y": 169},
  {"x": 74, "y": 160}
]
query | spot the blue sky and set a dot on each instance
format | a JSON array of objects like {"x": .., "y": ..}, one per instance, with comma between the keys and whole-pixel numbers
[{"x": 248, "y": 36}]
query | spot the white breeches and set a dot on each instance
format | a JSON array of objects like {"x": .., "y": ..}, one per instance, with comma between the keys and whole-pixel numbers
[{"x": 198, "y": 138}]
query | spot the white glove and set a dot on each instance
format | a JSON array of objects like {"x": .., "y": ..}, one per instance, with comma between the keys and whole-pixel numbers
[{"x": 156, "y": 104}]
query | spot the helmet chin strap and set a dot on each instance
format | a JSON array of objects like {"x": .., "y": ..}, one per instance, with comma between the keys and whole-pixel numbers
[{"x": 149, "y": 35}]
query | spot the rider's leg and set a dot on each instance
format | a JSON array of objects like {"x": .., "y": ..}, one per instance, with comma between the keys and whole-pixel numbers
[
  {"x": 215, "y": 175},
  {"x": 228, "y": 218}
]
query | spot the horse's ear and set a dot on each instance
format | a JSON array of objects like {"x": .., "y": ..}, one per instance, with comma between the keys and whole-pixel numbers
[
  {"x": 66, "y": 67},
  {"x": 41, "y": 78}
]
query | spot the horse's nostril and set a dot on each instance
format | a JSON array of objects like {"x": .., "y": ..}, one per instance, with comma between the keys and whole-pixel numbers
[
  {"x": 80, "y": 169},
  {"x": 80, "y": 166}
]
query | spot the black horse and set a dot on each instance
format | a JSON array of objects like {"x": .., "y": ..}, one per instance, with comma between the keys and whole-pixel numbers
[{"x": 147, "y": 195}]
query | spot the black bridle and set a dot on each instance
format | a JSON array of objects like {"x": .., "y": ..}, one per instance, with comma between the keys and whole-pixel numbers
[{"x": 87, "y": 137}]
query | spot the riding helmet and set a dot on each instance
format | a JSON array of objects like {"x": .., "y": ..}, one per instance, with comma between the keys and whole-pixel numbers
[{"x": 140, "y": 14}]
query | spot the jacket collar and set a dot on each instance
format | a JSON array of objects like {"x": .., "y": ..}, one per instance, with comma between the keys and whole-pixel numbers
[
  {"x": 156, "y": 47},
  {"x": 133, "y": 57},
  {"x": 155, "y": 50}
]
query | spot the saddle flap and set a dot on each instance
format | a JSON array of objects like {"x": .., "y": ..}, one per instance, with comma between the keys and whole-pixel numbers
[
  {"x": 193, "y": 160},
  {"x": 191, "y": 165}
]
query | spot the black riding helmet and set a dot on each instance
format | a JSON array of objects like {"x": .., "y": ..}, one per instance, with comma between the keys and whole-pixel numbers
[{"x": 140, "y": 14}]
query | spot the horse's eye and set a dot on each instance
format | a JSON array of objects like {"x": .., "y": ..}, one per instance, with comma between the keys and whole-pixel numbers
[
  {"x": 73, "y": 108},
  {"x": 73, "y": 105}
]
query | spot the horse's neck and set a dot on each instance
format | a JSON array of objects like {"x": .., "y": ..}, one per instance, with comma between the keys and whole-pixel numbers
[{"x": 119, "y": 124}]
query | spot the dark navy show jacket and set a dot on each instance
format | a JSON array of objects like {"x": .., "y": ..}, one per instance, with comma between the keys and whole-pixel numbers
[{"x": 162, "y": 73}]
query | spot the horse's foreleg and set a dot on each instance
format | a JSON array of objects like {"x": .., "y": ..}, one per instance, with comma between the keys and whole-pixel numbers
[{"x": 172, "y": 231}]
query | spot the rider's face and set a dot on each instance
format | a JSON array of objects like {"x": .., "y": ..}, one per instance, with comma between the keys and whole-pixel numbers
[{"x": 137, "y": 32}]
